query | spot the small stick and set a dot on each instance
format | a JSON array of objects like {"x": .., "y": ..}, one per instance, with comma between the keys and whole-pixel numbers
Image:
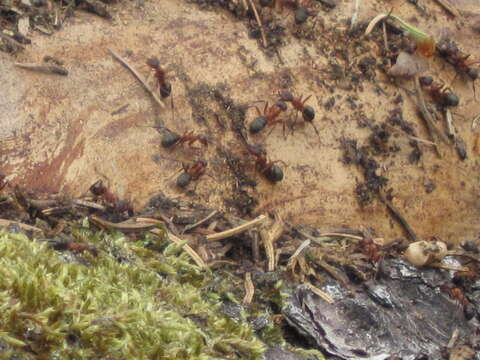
[
  {"x": 138, "y": 76},
  {"x": 187, "y": 248},
  {"x": 453, "y": 338},
  {"x": 423, "y": 141},
  {"x": 349, "y": 236},
  {"x": 89, "y": 204},
  {"x": 297, "y": 252},
  {"x": 320, "y": 293},
  {"x": 48, "y": 69},
  {"x": 355, "y": 14},
  {"x": 450, "y": 8},
  {"x": 449, "y": 120},
  {"x": 249, "y": 289},
  {"x": 396, "y": 214},
  {"x": 262, "y": 32},
  {"x": 237, "y": 230},
  {"x": 385, "y": 40},
  {"x": 200, "y": 222},
  {"x": 123, "y": 226},
  {"x": 426, "y": 114},
  {"x": 475, "y": 121},
  {"x": 11, "y": 40},
  {"x": 6, "y": 223}
]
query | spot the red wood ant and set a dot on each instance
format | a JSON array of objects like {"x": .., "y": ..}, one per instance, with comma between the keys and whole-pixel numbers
[
  {"x": 268, "y": 168},
  {"x": 439, "y": 93},
  {"x": 301, "y": 9},
  {"x": 172, "y": 139},
  {"x": 308, "y": 113},
  {"x": 75, "y": 247},
  {"x": 452, "y": 54},
  {"x": 99, "y": 190},
  {"x": 455, "y": 293},
  {"x": 191, "y": 172},
  {"x": 371, "y": 250},
  {"x": 165, "y": 87},
  {"x": 269, "y": 117}
]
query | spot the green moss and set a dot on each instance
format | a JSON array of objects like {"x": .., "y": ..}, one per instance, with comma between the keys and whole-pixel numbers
[{"x": 128, "y": 303}]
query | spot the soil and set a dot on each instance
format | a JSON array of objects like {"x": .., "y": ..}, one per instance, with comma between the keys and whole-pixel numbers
[{"x": 61, "y": 134}]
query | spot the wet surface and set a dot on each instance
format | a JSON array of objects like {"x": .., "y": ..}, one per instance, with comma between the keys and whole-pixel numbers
[
  {"x": 64, "y": 133},
  {"x": 402, "y": 313}
]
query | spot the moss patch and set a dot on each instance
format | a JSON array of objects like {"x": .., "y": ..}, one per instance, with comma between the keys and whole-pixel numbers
[{"x": 129, "y": 302}]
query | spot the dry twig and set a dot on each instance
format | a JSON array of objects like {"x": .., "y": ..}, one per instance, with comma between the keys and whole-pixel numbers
[
  {"x": 449, "y": 7},
  {"x": 44, "y": 68},
  {"x": 269, "y": 237},
  {"x": 138, "y": 76},
  {"x": 396, "y": 214},
  {"x": 200, "y": 222},
  {"x": 320, "y": 293},
  {"x": 237, "y": 230},
  {"x": 259, "y": 21},
  {"x": 249, "y": 289},
  {"x": 26, "y": 227}
]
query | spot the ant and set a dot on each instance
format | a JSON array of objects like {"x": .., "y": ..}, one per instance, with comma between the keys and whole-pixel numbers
[
  {"x": 371, "y": 250},
  {"x": 165, "y": 87},
  {"x": 269, "y": 117},
  {"x": 99, "y": 190},
  {"x": 308, "y": 113},
  {"x": 172, "y": 139},
  {"x": 75, "y": 247},
  {"x": 191, "y": 172},
  {"x": 301, "y": 9},
  {"x": 268, "y": 168},
  {"x": 455, "y": 293},
  {"x": 452, "y": 54},
  {"x": 440, "y": 94}
]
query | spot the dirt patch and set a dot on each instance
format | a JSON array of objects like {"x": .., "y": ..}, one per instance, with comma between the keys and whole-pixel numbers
[{"x": 64, "y": 133}]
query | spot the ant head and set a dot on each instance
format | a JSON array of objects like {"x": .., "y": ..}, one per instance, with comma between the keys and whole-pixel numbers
[
  {"x": 426, "y": 80},
  {"x": 153, "y": 62},
  {"x": 285, "y": 95},
  {"x": 308, "y": 113},
  {"x": 472, "y": 73},
  {"x": 258, "y": 124},
  {"x": 165, "y": 90},
  {"x": 451, "y": 99},
  {"x": 282, "y": 105},
  {"x": 98, "y": 189}
]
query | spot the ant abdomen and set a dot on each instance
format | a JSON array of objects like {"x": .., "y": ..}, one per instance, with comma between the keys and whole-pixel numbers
[
  {"x": 308, "y": 113},
  {"x": 451, "y": 99},
  {"x": 165, "y": 90},
  {"x": 258, "y": 124},
  {"x": 169, "y": 139},
  {"x": 274, "y": 174},
  {"x": 184, "y": 179}
]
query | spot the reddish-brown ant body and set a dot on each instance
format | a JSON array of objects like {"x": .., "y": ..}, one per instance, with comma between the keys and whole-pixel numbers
[
  {"x": 371, "y": 250},
  {"x": 100, "y": 190},
  {"x": 269, "y": 117},
  {"x": 191, "y": 172},
  {"x": 75, "y": 247},
  {"x": 268, "y": 168},
  {"x": 171, "y": 139},
  {"x": 308, "y": 113},
  {"x": 455, "y": 293},
  {"x": 160, "y": 75},
  {"x": 439, "y": 93},
  {"x": 452, "y": 54}
]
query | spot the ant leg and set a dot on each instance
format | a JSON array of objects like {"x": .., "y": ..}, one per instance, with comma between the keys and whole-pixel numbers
[
  {"x": 474, "y": 93},
  {"x": 318, "y": 134},
  {"x": 173, "y": 109},
  {"x": 306, "y": 99},
  {"x": 294, "y": 122}
]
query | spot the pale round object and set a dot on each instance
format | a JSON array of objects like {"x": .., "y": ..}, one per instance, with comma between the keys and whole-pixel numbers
[{"x": 421, "y": 253}]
